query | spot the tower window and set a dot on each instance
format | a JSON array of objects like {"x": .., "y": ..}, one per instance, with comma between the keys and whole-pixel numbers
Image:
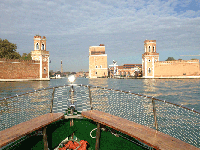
[
  {"x": 145, "y": 49},
  {"x": 149, "y": 60},
  {"x": 101, "y": 66},
  {"x": 154, "y": 49},
  {"x": 37, "y": 46},
  {"x": 96, "y": 73},
  {"x": 42, "y": 46},
  {"x": 149, "y": 70},
  {"x": 149, "y": 48},
  {"x": 96, "y": 66},
  {"x": 44, "y": 70}
]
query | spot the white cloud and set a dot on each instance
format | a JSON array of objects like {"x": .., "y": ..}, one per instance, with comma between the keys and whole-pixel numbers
[{"x": 72, "y": 26}]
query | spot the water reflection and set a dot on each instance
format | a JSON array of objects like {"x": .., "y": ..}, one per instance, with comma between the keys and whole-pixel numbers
[
  {"x": 12, "y": 88},
  {"x": 103, "y": 82},
  {"x": 150, "y": 85},
  {"x": 180, "y": 91}
]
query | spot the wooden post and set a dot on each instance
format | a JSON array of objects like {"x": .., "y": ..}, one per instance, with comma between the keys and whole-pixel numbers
[
  {"x": 52, "y": 100},
  {"x": 154, "y": 113},
  {"x": 97, "y": 137},
  {"x": 90, "y": 98},
  {"x": 45, "y": 138}
]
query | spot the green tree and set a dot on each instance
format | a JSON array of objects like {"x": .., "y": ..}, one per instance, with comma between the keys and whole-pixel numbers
[
  {"x": 170, "y": 59},
  {"x": 51, "y": 73},
  {"x": 26, "y": 56},
  {"x": 8, "y": 50}
]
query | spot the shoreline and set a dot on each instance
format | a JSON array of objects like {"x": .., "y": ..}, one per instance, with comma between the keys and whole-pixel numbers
[{"x": 19, "y": 80}]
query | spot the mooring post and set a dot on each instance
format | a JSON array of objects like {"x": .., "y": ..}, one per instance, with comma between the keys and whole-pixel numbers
[
  {"x": 154, "y": 113},
  {"x": 45, "y": 139},
  {"x": 97, "y": 137},
  {"x": 90, "y": 98},
  {"x": 52, "y": 100},
  {"x": 72, "y": 108}
]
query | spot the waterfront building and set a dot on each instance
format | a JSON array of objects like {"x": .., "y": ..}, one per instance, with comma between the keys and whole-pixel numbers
[
  {"x": 22, "y": 70},
  {"x": 98, "y": 66},
  {"x": 153, "y": 68},
  {"x": 41, "y": 55},
  {"x": 127, "y": 70},
  {"x": 149, "y": 57},
  {"x": 82, "y": 74}
]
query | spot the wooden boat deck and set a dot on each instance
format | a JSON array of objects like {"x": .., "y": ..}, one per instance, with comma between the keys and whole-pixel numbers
[
  {"x": 22, "y": 129},
  {"x": 151, "y": 137}
]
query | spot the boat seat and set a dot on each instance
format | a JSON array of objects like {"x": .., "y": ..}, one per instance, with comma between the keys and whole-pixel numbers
[
  {"x": 16, "y": 132},
  {"x": 146, "y": 135}
]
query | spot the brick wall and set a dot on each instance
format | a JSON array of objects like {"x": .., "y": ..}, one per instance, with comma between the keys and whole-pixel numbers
[
  {"x": 19, "y": 69},
  {"x": 177, "y": 68}
]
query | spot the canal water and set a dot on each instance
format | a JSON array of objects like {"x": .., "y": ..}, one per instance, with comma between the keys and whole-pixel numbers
[{"x": 178, "y": 91}]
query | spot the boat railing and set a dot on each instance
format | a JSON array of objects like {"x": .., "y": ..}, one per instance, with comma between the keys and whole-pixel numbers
[{"x": 173, "y": 119}]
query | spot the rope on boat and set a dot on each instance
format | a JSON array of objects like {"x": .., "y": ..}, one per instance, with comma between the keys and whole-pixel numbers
[
  {"x": 91, "y": 133},
  {"x": 118, "y": 135},
  {"x": 103, "y": 130}
]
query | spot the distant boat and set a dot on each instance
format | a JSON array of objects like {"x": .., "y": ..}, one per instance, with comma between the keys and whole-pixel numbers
[{"x": 57, "y": 77}]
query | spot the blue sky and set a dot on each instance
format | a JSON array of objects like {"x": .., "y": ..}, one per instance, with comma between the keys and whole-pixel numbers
[{"x": 72, "y": 26}]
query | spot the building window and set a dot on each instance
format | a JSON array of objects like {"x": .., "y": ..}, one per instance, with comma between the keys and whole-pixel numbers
[
  {"x": 37, "y": 46},
  {"x": 154, "y": 49},
  {"x": 96, "y": 66},
  {"x": 149, "y": 70},
  {"x": 96, "y": 73},
  {"x": 149, "y": 48},
  {"x": 42, "y": 46},
  {"x": 149, "y": 60}
]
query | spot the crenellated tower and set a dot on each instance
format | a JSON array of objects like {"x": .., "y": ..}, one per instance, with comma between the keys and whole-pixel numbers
[
  {"x": 41, "y": 55},
  {"x": 149, "y": 57},
  {"x": 98, "y": 66}
]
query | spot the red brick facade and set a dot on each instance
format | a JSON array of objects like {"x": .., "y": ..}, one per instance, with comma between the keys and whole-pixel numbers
[{"x": 19, "y": 69}]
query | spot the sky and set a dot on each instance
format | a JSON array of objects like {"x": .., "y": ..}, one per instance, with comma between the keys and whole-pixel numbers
[{"x": 71, "y": 27}]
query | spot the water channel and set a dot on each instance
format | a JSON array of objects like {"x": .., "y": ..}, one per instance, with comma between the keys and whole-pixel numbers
[{"x": 184, "y": 92}]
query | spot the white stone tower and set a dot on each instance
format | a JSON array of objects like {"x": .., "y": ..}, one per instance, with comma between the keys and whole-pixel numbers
[
  {"x": 40, "y": 54},
  {"x": 149, "y": 57}
]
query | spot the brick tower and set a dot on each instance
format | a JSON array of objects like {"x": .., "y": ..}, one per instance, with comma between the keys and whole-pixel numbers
[
  {"x": 41, "y": 55},
  {"x": 149, "y": 58},
  {"x": 98, "y": 66},
  {"x": 61, "y": 70}
]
